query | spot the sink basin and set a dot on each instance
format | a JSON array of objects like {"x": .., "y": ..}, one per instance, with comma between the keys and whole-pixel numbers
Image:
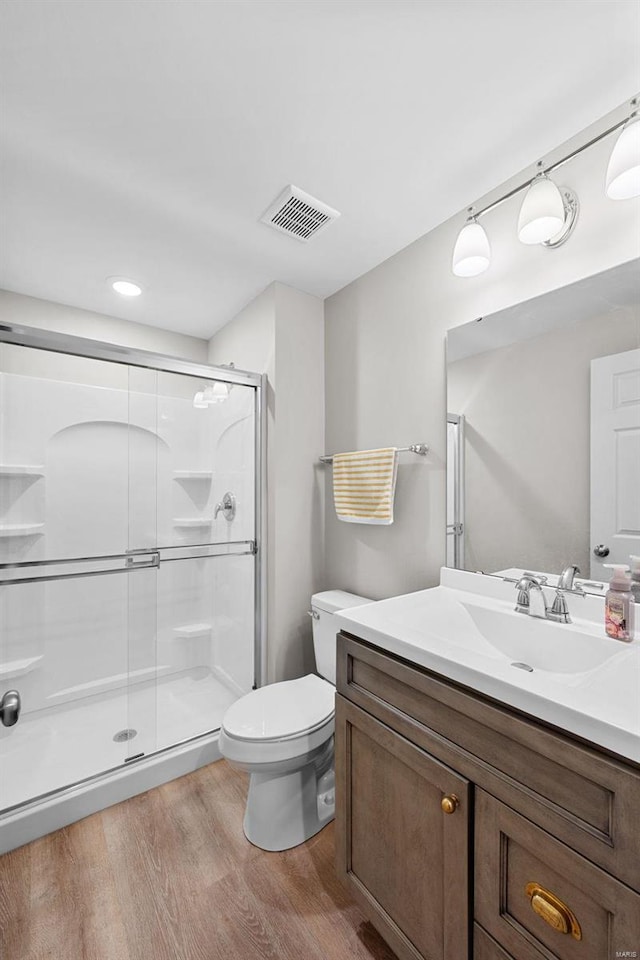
[
  {"x": 541, "y": 644},
  {"x": 568, "y": 674}
]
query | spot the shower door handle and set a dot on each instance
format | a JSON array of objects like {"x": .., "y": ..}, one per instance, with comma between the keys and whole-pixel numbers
[
  {"x": 10, "y": 708},
  {"x": 150, "y": 558}
]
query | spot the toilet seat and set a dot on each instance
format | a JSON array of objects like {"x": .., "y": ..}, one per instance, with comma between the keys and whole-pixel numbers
[
  {"x": 281, "y": 711},
  {"x": 279, "y": 722}
]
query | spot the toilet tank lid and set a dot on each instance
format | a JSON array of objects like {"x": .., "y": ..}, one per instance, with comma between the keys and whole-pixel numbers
[{"x": 333, "y": 600}]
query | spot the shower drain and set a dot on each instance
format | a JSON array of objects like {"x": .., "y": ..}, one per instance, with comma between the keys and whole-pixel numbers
[{"x": 123, "y": 735}]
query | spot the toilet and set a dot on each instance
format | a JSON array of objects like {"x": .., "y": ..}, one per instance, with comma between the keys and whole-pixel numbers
[{"x": 282, "y": 736}]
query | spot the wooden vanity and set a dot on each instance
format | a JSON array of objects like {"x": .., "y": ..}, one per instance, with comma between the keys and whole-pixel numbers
[{"x": 467, "y": 829}]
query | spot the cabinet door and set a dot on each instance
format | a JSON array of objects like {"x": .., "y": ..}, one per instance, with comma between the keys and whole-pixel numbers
[{"x": 404, "y": 859}]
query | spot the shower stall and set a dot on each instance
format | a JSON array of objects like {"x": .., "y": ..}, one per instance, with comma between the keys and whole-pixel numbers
[{"x": 131, "y": 575}]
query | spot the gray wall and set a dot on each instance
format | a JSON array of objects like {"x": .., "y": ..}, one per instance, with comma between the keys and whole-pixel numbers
[
  {"x": 385, "y": 363},
  {"x": 281, "y": 333}
]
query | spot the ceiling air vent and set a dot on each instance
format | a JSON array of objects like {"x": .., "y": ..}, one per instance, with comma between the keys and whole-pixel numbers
[{"x": 299, "y": 214}]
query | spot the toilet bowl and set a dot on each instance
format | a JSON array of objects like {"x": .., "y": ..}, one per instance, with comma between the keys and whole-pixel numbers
[{"x": 282, "y": 736}]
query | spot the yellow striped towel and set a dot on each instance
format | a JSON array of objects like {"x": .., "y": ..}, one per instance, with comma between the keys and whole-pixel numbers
[{"x": 364, "y": 484}]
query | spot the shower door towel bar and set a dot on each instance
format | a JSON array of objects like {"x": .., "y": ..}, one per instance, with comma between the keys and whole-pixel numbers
[
  {"x": 142, "y": 561},
  {"x": 422, "y": 449},
  {"x": 132, "y": 560}
]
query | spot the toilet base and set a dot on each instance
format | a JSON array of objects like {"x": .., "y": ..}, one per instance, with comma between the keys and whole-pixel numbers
[{"x": 285, "y": 809}]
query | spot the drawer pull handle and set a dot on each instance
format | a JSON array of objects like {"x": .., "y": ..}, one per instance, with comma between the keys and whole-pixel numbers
[
  {"x": 449, "y": 803},
  {"x": 553, "y": 911}
]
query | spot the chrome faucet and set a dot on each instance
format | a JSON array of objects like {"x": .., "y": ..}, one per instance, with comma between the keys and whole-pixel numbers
[
  {"x": 532, "y": 603},
  {"x": 531, "y": 598}
]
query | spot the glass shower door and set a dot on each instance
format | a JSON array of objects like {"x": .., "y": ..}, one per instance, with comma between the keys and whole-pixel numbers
[
  {"x": 74, "y": 599},
  {"x": 127, "y": 562},
  {"x": 206, "y": 540}
]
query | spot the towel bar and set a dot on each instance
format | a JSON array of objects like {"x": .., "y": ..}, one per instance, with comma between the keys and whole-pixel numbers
[{"x": 421, "y": 449}]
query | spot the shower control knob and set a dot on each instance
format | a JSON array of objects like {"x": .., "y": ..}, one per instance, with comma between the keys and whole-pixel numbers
[
  {"x": 227, "y": 507},
  {"x": 10, "y": 708},
  {"x": 601, "y": 550}
]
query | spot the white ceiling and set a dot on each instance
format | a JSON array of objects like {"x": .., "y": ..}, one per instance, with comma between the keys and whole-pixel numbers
[{"x": 145, "y": 138}]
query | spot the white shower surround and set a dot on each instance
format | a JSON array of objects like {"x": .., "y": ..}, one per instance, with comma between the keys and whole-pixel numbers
[{"x": 121, "y": 461}]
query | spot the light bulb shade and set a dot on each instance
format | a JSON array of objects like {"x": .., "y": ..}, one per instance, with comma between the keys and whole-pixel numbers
[
  {"x": 623, "y": 172},
  {"x": 542, "y": 212},
  {"x": 218, "y": 392},
  {"x": 472, "y": 253}
]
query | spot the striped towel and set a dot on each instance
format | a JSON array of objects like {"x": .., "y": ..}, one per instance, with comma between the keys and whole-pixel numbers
[{"x": 364, "y": 484}]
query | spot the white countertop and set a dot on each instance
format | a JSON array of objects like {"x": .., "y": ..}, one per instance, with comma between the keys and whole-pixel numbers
[{"x": 438, "y": 629}]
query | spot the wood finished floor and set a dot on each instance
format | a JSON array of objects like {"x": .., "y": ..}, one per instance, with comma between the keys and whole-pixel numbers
[{"x": 169, "y": 875}]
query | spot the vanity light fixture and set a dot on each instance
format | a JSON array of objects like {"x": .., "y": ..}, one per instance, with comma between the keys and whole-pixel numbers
[
  {"x": 126, "y": 288},
  {"x": 549, "y": 213},
  {"x": 472, "y": 253},
  {"x": 623, "y": 172}
]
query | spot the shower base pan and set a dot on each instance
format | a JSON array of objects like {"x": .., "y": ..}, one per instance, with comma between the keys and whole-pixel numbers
[{"x": 83, "y": 743}]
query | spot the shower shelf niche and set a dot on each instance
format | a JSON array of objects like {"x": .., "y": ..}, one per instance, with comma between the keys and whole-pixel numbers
[
  {"x": 193, "y": 475},
  {"x": 10, "y": 470},
  {"x": 18, "y": 668},
  {"x": 192, "y": 631},
  {"x": 114, "y": 682},
  {"x": 21, "y": 529},
  {"x": 192, "y": 522}
]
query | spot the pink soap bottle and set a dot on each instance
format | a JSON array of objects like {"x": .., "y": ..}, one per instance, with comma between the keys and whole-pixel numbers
[{"x": 618, "y": 604}]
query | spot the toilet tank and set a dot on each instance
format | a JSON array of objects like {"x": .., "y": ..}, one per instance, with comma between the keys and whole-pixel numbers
[{"x": 323, "y": 607}]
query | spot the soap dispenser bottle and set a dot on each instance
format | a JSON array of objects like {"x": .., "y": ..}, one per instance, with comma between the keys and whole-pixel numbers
[
  {"x": 635, "y": 578},
  {"x": 618, "y": 604}
]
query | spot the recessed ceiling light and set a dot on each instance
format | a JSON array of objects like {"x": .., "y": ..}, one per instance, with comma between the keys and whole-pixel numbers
[{"x": 127, "y": 288}]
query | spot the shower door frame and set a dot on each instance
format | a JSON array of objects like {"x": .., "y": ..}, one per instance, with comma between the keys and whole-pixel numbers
[{"x": 54, "y": 342}]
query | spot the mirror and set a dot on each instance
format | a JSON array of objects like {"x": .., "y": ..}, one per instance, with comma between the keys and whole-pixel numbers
[{"x": 543, "y": 465}]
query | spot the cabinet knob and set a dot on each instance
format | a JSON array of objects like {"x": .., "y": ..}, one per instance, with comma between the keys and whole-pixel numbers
[
  {"x": 449, "y": 803},
  {"x": 553, "y": 910}
]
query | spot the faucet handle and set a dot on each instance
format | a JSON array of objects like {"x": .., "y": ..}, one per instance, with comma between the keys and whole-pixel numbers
[
  {"x": 559, "y": 610},
  {"x": 540, "y": 578},
  {"x": 526, "y": 581}
]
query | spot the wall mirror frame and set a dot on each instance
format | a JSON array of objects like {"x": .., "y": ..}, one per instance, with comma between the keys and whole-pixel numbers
[{"x": 543, "y": 432}]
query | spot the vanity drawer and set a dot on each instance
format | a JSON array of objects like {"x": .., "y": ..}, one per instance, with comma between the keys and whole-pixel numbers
[
  {"x": 580, "y": 911},
  {"x": 584, "y": 798}
]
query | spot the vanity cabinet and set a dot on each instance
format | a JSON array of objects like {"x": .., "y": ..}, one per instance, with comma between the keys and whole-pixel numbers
[
  {"x": 466, "y": 829},
  {"x": 407, "y": 861}
]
